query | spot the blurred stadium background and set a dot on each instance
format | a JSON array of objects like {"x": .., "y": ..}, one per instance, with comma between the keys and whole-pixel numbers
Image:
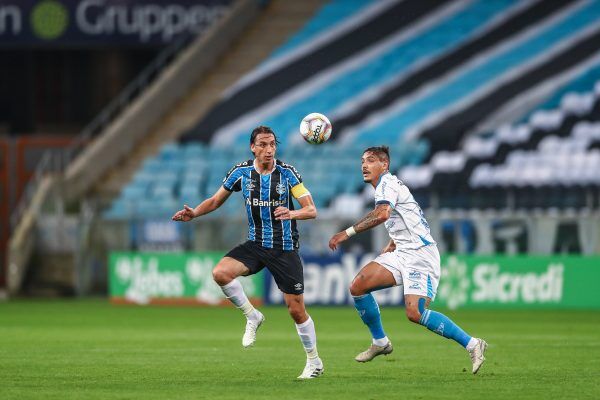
[{"x": 115, "y": 113}]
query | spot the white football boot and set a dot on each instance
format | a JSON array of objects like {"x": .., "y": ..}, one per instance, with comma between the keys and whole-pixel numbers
[
  {"x": 478, "y": 354},
  {"x": 373, "y": 351},
  {"x": 251, "y": 327},
  {"x": 312, "y": 369}
]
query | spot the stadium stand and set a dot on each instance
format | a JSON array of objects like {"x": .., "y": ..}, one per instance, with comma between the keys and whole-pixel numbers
[
  {"x": 580, "y": 83},
  {"x": 363, "y": 66},
  {"x": 525, "y": 165},
  {"x": 422, "y": 85},
  {"x": 510, "y": 61},
  {"x": 332, "y": 16}
]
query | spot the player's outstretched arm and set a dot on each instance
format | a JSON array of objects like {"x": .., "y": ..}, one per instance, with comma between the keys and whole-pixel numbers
[
  {"x": 379, "y": 215},
  {"x": 308, "y": 210},
  {"x": 211, "y": 204}
]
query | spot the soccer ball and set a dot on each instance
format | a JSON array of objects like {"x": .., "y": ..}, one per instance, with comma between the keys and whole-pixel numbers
[{"x": 315, "y": 128}]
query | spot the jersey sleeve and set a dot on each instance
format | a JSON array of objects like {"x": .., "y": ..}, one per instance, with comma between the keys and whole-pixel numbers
[
  {"x": 233, "y": 180},
  {"x": 386, "y": 192},
  {"x": 293, "y": 176}
]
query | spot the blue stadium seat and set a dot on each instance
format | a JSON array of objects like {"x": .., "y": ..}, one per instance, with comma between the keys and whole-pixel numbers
[
  {"x": 480, "y": 75},
  {"x": 580, "y": 83},
  {"x": 134, "y": 191},
  {"x": 394, "y": 61},
  {"x": 188, "y": 173},
  {"x": 119, "y": 209},
  {"x": 327, "y": 17}
]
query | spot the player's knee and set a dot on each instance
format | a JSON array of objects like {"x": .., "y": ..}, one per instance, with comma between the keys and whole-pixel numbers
[
  {"x": 356, "y": 289},
  {"x": 221, "y": 276},
  {"x": 413, "y": 314},
  {"x": 299, "y": 316},
  {"x": 297, "y": 312}
]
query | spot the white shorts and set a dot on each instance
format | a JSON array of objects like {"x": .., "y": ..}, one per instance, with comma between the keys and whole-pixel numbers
[{"x": 417, "y": 270}]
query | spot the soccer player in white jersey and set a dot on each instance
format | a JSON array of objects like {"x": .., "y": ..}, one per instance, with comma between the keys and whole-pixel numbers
[
  {"x": 267, "y": 186},
  {"x": 411, "y": 259}
]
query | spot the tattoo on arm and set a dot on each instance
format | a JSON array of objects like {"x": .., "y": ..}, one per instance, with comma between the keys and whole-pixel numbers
[{"x": 368, "y": 221}]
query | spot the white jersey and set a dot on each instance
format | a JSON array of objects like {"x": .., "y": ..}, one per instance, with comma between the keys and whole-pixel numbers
[{"x": 406, "y": 226}]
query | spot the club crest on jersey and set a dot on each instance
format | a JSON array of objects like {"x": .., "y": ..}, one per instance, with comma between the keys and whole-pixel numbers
[{"x": 280, "y": 188}]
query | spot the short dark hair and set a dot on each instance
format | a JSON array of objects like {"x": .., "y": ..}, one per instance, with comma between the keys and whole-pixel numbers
[
  {"x": 262, "y": 129},
  {"x": 382, "y": 152}
]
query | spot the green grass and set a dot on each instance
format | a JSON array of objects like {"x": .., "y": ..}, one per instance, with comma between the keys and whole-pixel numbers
[{"x": 92, "y": 350}]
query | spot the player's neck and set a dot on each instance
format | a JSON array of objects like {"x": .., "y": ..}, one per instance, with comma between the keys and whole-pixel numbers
[
  {"x": 375, "y": 182},
  {"x": 264, "y": 168}
]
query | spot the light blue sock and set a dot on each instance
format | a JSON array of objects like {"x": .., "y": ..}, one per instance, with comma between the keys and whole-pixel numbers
[
  {"x": 368, "y": 309},
  {"x": 442, "y": 325}
]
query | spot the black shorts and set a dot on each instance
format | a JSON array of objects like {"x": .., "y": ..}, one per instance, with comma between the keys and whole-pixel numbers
[{"x": 284, "y": 265}]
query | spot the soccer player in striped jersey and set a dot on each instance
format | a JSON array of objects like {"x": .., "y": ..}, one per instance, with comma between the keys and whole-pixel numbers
[
  {"x": 411, "y": 260},
  {"x": 267, "y": 186}
]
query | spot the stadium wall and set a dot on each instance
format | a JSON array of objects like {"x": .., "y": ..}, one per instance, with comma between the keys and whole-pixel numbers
[
  {"x": 90, "y": 238},
  {"x": 472, "y": 282}
]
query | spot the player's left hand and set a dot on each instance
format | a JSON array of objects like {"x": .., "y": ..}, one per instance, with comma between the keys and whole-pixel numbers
[
  {"x": 337, "y": 239},
  {"x": 282, "y": 213}
]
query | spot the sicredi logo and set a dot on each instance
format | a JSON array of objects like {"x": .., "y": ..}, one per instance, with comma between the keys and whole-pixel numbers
[
  {"x": 487, "y": 283},
  {"x": 50, "y": 19},
  {"x": 455, "y": 283},
  {"x": 490, "y": 284}
]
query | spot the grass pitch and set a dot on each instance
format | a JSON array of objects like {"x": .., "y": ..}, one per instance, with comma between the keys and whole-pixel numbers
[{"x": 92, "y": 350}]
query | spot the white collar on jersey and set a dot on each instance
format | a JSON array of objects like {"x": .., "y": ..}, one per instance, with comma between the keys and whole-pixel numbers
[
  {"x": 381, "y": 176},
  {"x": 270, "y": 172}
]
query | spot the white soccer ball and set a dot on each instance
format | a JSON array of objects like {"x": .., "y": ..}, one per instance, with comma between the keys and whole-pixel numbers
[{"x": 315, "y": 128}]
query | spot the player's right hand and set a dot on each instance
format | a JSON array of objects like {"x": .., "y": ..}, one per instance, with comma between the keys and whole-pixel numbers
[
  {"x": 184, "y": 215},
  {"x": 337, "y": 239}
]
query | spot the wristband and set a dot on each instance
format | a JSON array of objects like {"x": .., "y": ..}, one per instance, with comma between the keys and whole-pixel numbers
[{"x": 350, "y": 231}]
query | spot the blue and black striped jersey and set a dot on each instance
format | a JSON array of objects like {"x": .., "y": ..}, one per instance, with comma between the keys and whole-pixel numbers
[{"x": 262, "y": 195}]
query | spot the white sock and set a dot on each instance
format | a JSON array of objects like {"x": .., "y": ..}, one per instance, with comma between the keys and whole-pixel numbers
[
  {"x": 471, "y": 344},
  {"x": 381, "y": 342},
  {"x": 308, "y": 337},
  {"x": 235, "y": 293}
]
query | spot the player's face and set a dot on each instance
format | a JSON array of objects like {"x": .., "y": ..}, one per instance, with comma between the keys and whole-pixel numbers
[
  {"x": 372, "y": 167},
  {"x": 264, "y": 147}
]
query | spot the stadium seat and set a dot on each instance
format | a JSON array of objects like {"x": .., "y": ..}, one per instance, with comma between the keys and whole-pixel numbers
[
  {"x": 385, "y": 65},
  {"x": 553, "y": 149},
  {"x": 481, "y": 74},
  {"x": 514, "y": 155}
]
